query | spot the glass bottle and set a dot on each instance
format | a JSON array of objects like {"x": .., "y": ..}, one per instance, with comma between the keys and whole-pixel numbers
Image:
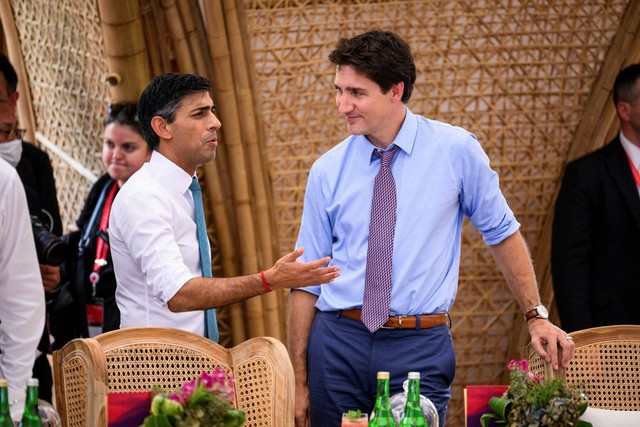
[
  {"x": 382, "y": 415},
  {"x": 413, "y": 416},
  {"x": 30, "y": 417},
  {"x": 5, "y": 413}
]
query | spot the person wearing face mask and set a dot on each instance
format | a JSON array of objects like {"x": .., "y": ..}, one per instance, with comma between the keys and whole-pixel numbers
[
  {"x": 124, "y": 151},
  {"x": 36, "y": 173}
]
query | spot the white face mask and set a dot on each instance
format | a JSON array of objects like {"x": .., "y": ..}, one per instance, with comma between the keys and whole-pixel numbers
[{"x": 11, "y": 151}]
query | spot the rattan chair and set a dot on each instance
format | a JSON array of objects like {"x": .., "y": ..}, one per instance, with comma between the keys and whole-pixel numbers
[
  {"x": 606, "y": 366},
  {"x": 137, "y": 359}
]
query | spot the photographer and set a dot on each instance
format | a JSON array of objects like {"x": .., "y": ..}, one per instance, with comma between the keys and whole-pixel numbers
[{"x": 34, "y": 168}]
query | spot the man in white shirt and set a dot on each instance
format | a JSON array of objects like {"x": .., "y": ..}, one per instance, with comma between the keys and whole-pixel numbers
[
  {"x": 22, "y": 307},
  {"x": 152, "y": 227}
]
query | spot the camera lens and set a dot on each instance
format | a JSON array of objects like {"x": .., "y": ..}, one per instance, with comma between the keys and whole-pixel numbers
[{"x": 50, "y": 249}]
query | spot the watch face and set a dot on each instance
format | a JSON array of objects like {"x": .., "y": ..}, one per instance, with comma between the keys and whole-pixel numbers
[{"x": 542, "y": 312}]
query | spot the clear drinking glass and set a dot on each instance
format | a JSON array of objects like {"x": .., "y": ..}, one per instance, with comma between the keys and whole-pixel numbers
[
  {"x": 349, "y": 421},
  {"x": 48, "y": 414}
]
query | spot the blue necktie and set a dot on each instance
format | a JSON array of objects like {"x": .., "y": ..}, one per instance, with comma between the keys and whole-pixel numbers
[{"x": 210, "y": 325}]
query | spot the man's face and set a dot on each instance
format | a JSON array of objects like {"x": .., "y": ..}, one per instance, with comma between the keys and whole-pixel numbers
[
  {"x": 193, "y": 132},
  {"x": 366, "y": 109},
  {"x": 7, "y": 123},
  {"x": 629, "y": 114}
]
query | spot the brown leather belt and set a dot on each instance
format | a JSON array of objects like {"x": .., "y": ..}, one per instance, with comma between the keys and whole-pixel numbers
[{"x": 406, "y": 322}]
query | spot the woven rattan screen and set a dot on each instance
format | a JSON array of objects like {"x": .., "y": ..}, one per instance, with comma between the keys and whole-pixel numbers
[
  {"x": 63, "y": 51},
  {"x": 606, "y": 366},
  {"x": 517, "y": 74}
]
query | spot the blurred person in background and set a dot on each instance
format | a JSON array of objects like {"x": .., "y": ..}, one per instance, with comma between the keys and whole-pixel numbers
[
  {"x": 36, "y": 173},
  {"x": 595, "y": 250},
  {"x": 90, "y": 271},
  {"x": 22, "y": 308}
]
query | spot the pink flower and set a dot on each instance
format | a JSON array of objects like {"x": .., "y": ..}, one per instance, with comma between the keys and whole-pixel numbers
[
  {"x": 533, "y": 377},
  {"x": 523, "y": 365}
]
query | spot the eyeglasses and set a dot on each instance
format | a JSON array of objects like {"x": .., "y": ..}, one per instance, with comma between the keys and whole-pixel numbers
[{"x": 11, "y": 134}]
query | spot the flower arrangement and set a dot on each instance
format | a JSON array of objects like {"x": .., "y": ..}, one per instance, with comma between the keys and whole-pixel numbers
[
  {"x": 204, "y": 402},
  {"x": 530, "y": 402}
]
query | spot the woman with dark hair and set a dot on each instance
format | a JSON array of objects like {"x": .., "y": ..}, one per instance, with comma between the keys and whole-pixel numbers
[{"x": 91, "y": 272}]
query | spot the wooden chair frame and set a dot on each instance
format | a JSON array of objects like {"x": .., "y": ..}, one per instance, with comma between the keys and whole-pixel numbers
[
  {"x": 606, "y": 366},
  {"x": 137, "y": 359}
]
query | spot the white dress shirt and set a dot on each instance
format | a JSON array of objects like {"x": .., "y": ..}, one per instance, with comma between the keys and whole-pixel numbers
[
  {"x": 22, "y": 308},
  {"x": 154, "y": 246}
]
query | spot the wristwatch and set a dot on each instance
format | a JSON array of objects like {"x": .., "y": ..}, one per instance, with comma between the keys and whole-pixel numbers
[{"x": 537, "y": 312}]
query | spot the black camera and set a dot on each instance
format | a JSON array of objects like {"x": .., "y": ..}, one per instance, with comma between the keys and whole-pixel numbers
[{"x": 50, "y": 249}]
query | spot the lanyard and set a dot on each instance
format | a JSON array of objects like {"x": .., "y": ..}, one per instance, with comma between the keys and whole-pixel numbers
[
  {"x": 102, "y": 246},
  {"x": 634, "y": 170}
]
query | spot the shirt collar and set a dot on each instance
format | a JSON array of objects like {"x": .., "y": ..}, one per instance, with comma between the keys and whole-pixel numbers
[
  {"x": 168, "y": 173},
  {"x": 632, "y": 150},
  {"x": 405, "y": 139}
]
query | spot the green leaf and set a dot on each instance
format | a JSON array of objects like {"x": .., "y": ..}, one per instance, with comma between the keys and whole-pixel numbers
[
  {"x": 157, "y": 421},
  {"x": 500, "y": 406},
  {"x": 351, "y": 414}
]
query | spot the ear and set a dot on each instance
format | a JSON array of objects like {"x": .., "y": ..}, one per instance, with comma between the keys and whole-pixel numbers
[
  {"x": 396, "y": 91},
  {"x": 160, "y": 127},
  {"x": 623, "y": 110}
]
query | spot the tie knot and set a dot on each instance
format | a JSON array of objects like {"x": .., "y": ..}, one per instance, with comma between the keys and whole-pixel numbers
[
  {"x": 195, "y": 185},
  {"x": 386, "y": 156}
]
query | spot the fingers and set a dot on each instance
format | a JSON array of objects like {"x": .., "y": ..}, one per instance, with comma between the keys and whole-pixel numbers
[
  {"x": 568, "y": 350},
  {"x": 292, "y": 256},
  {"x": 543, "y": 334}
]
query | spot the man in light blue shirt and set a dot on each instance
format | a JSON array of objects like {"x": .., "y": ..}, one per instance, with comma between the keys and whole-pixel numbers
[{"x": 441, "y": 174}]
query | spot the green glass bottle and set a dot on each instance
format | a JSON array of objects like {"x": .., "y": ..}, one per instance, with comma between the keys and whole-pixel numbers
[
  {"x": 5, "y": 413},
  {"x": 30, "y": 417},
  {"x": 382, "y": 415},
  {"x": 413, "y": 416}
]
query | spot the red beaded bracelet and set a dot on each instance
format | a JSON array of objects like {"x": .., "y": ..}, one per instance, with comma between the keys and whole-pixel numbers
[{"x": 264, "y": 282}]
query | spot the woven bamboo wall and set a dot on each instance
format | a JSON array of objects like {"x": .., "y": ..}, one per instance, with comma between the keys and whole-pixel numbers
[
  {"x": 516, "y": 73},
  {"x": 62, "y": 48}
]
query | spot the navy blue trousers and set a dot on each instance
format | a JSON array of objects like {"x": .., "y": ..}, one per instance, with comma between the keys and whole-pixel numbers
[{"x": 344, "y": 357}]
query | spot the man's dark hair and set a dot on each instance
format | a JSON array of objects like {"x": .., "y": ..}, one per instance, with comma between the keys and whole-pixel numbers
[
  {"x": 9, "y": 74},
  {"x": 624, "y": 88},
  {"x": 382, "y": 56},
  {"x": 162, "y": 97},
  {"x": 125, "y": 113}
]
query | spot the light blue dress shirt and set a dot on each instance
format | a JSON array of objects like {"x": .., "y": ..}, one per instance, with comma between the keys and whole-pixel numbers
[{"x": 441, "y": 174}]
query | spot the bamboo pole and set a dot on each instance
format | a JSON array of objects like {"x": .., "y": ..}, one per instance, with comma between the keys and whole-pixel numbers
[
  {"x": 26, "y": 115},
  {"x": 223, "y": 82},
  {"x": 597, "y": 126},
  {"x": 125, "y": 48},
  {"x": 153, "y": 27},
  {"x": 274, "y": 318},
  {"x": 181, "y": 48},
  {"x": 216, "y": 173}
]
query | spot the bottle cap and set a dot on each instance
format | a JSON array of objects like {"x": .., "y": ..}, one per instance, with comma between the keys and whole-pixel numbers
[
  {"x": 4, "y": 382},
  {"x": 414, "y": 375},
  {"x": 383, "y": 375},
  {"x": 32, "y": 382}
]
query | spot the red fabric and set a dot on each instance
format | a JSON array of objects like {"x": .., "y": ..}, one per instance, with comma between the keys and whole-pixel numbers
[
  {"x": 94, "y": 314},
  {"x": 128, "y": 409},
  {"x": 477, "y": 401}
]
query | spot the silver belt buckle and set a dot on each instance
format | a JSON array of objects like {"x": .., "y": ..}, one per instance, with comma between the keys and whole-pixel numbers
[{"x": 399, "y": 323}]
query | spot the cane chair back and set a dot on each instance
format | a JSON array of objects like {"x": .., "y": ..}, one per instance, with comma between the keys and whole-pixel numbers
[
  {"x": 606, "y": 366},
  {"x": 137, "y": 359}
]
